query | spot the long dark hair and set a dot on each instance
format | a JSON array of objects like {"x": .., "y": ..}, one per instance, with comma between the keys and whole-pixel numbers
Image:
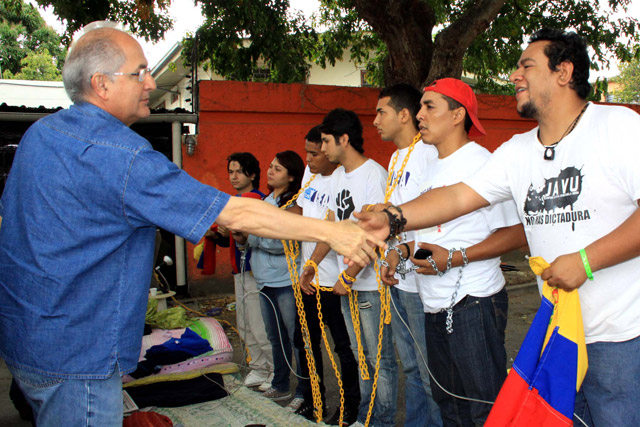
[{"x": 295, "y": 169}]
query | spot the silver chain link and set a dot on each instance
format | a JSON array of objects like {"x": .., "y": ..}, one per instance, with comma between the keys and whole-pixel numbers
[{"x": 449, "y": 310}]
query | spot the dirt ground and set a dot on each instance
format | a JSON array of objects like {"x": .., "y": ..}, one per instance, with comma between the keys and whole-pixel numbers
[
  {"x": 523, "y": 304},
  {"x": 524, "y": 301}
]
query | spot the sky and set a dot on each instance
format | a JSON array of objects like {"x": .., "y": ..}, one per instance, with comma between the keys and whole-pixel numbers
[{"x": 188, "y": 17}]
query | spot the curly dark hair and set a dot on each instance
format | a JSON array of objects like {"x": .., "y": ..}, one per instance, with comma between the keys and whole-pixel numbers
[
  {"x": 567, "y": 46},
  {"x": 340, "y": 121}
]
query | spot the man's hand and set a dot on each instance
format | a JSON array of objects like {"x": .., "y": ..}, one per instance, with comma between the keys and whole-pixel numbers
[
  {"x": 356, "y": 245},
  {"x": 339, "y": 289},
  {"x": 239, "y": 237},
  {"x": 307, "y": 276},
  {"x": 439, "y": 254},
  {"x": 387, "y": 274},
  {"x": 377, "y": 223},
  {"x": 566, "y": 272},
  {"x": 378, "y": 207},
  {"x": 223, "y": 230}
]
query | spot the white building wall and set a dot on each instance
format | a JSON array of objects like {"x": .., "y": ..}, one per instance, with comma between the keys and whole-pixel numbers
[
  {"x": 344, "y": 73},
  {"x": 34, "y": 94}
]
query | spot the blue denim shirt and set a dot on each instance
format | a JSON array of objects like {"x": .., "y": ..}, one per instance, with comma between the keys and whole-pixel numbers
[{"x": 80, "y": 209}]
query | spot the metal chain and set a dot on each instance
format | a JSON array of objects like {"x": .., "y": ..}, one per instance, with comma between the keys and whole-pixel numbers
[
  {"x": 292, "y": 251},
  {"x": 449, "y": 310},
  {"x": 327, "y": 346},
  {"x": 385, "y": 307}
]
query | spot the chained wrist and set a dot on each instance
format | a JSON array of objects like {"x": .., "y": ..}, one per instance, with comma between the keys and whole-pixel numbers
[
  {"x": 310, "y": 263},
  {"x": 346, "y": 280},
  {"x": 396, "y": 222}
]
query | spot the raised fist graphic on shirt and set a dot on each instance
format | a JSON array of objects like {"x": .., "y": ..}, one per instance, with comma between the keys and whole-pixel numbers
[{"x": 345, "y": 205}]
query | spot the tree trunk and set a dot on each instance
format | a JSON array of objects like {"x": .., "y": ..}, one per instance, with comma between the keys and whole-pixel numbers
[{"x": 406, "y": 27}]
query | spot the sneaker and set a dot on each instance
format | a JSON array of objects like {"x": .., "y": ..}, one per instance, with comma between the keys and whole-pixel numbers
[
  {"x": 256, "y": 378},
  {"x": 349, "y": 417},
  {"x": 308, "y": 411},
  {"x": 295, "y": 404},
  {"x": 266, "y": 385},
  {"x": 276, "y": 395}
]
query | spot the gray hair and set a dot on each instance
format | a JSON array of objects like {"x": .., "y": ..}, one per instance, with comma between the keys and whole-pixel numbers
[{"x": 96, "y": 51}]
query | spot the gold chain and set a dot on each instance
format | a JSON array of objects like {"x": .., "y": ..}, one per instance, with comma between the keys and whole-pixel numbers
[
  {"x": 324, "y": 333},
  {"x": 385, "y": 295},
  {"x": 292, "y": 251}
]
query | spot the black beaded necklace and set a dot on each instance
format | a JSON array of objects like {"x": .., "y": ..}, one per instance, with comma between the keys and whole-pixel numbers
[{"x": 550, "y": 150}]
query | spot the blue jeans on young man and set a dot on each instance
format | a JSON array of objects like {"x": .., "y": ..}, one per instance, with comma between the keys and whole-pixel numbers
[
  {"x": 278, "y": 306},
  {"x": 610, "y": 391},
  {"x": 384, "y": 410},
  {"x": 471, "y": 361},
  {"x": 407, "y": 321},
  {"x": 71, "y": 402}
]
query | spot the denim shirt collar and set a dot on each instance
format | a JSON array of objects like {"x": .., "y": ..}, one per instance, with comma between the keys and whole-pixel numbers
[{"x": 92, "y": 110}]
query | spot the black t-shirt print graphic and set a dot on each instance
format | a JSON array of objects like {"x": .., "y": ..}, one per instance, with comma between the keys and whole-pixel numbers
[{"x": 345, "y": 204}]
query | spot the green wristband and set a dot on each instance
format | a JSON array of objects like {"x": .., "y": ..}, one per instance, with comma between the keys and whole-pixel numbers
[{"x": 585, "y": 262}]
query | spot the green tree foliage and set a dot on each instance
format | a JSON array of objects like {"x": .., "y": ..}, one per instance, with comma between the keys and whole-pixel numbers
[
  {"x": 414, "y": 41},
  {"x": 36, "y": 66},
  {"x": 28, "y": 47},
  {"x": 253, "y": 40},
  {"x": 629, "y": 82},
  {"x": 146, "y": 18}
]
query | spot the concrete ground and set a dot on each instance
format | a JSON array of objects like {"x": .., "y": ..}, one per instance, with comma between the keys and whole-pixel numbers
[{"x": 523, "y": 303}]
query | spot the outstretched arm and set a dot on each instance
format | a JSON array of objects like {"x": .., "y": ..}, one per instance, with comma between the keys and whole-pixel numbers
[
  {"x": 436, "y": 206},
  {"x": 501, "y": 241},
  {"x": 265, "y": 220}
]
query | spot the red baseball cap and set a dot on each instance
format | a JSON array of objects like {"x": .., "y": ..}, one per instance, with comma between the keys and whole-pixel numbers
[{"x": 461, "y": 92}]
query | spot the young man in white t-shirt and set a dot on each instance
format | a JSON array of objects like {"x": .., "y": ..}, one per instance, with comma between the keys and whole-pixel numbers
[
  {"x": 357, "y": 182},
  {"x": 314, "y": 202},
  {"x": 396, "y": 121},
  {"x": 466, "y": 304},
  {"x": 576, "y": 183}
]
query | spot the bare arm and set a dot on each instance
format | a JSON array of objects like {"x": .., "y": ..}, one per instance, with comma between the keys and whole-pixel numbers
[
  {"x": 441, "y": 205},
  {"x": 499, "y": 242},
  {"x": 434, "y": 207},
  {"x": 622, "y": 244},
  {"x": 319, "y": 253},
  {"x": 265, "y": 220}
]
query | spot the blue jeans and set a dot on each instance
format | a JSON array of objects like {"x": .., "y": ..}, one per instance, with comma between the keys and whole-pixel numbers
[
  {"x": 610, "y": 391},
  {"x": 71, "y": 402},
  {"x": 280, "y": 321},
  {"x": 470, "y": 362},
  {"x": 407, "y": 321},
  {"x": 384, "y": 410}
]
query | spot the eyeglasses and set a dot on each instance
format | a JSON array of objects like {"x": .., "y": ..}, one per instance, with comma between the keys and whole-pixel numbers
[{"x": 141, "y": 74}]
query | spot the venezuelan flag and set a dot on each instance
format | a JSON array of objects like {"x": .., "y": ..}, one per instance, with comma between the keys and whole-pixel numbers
[{"x": 541, "y": 387}]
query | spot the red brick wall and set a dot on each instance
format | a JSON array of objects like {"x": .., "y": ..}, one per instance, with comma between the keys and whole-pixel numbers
[{"x": 267, "y": 118}]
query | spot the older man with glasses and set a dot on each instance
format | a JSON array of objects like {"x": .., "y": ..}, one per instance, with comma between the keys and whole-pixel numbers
[{"x": 80, "y": 209}]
